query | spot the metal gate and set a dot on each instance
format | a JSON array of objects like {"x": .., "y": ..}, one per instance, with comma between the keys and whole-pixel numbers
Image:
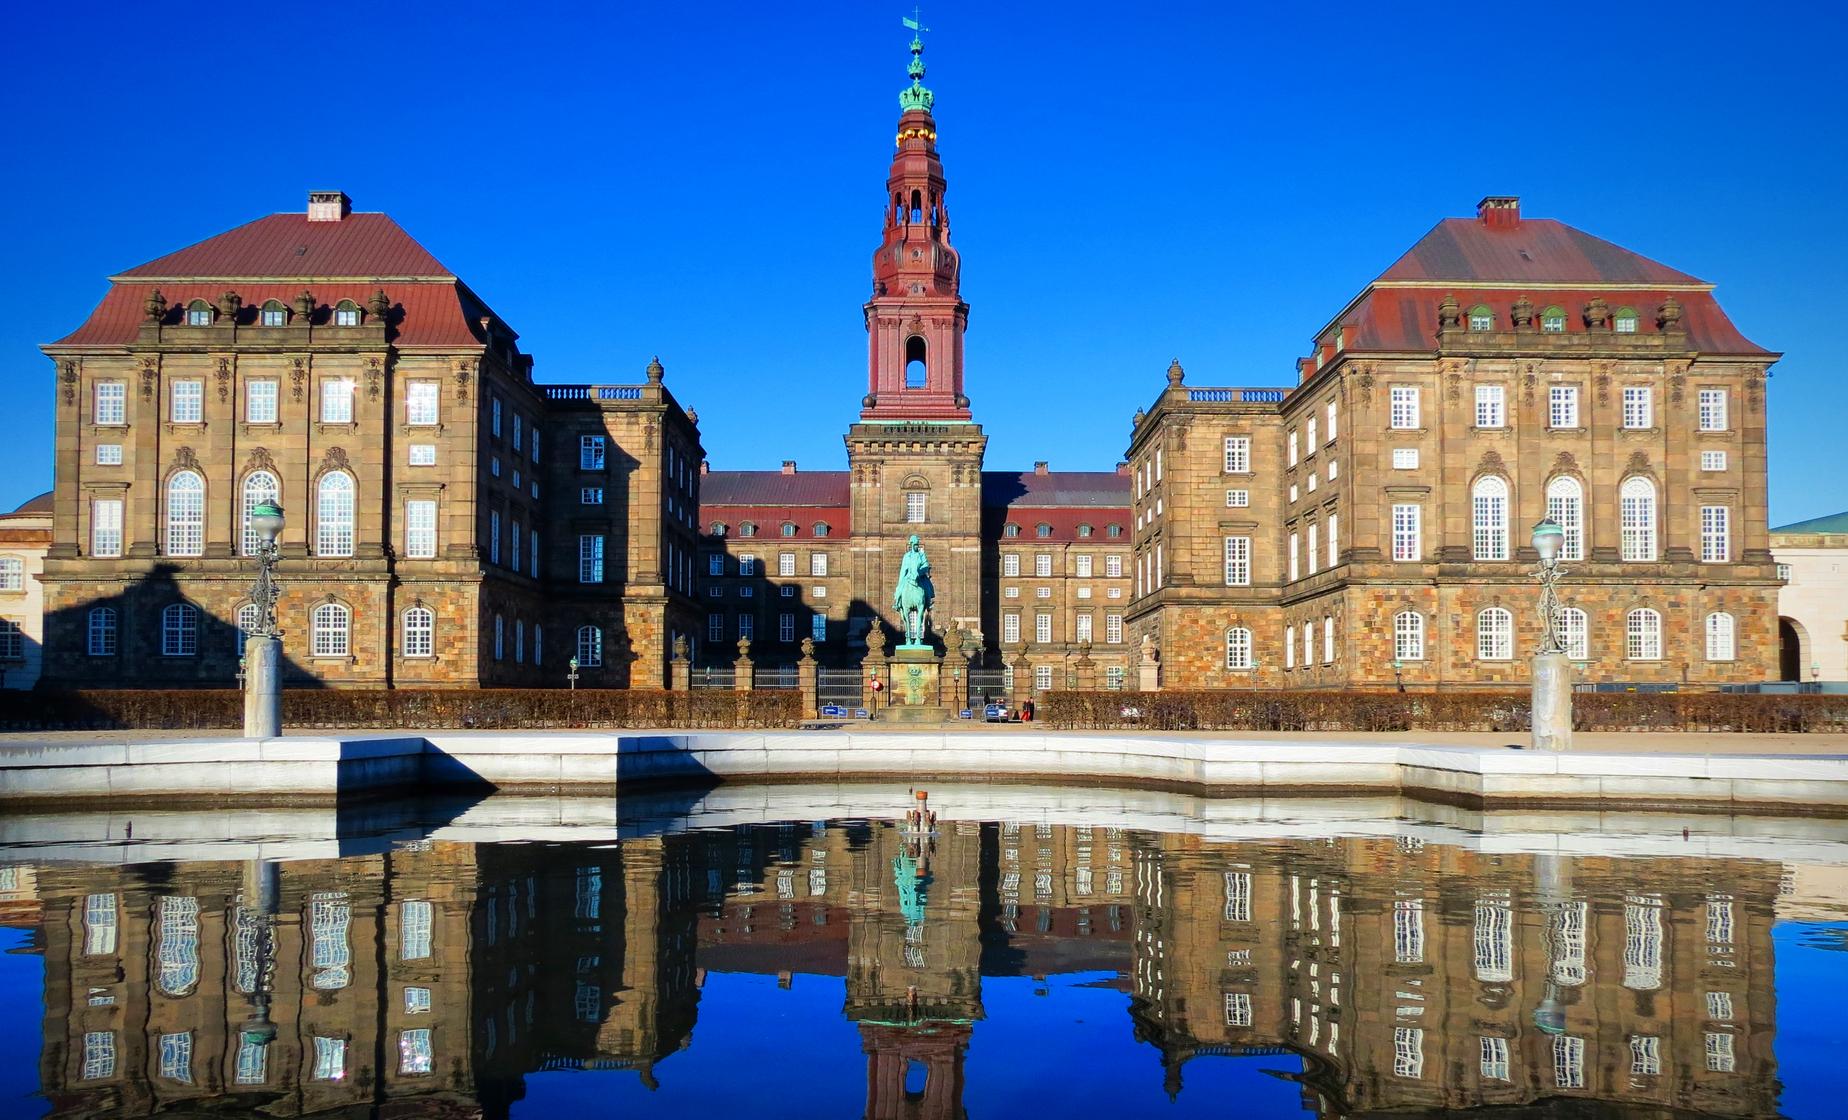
[
  {"x": 722, "y": 677},
  {"x": 990, "y": 683},
  {"x": 838, "y": 686},
  {"x": 775, "y": 676}
]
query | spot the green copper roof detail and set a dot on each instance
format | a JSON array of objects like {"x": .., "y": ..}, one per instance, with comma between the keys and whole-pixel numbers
[{"x": 916, "y": 96}]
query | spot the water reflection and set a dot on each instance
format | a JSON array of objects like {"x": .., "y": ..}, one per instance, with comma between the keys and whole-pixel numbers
[{"x": 434, "y": 978}]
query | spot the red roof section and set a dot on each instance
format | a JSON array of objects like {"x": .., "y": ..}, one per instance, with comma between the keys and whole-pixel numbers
[
  {"x": 359, "y": 246},
  {"x": 1081, "y": 489},
  {"x": 1531, "y": 250},
  {"x": 774, "y": 488},
  {"x": 425, "y": 314},
  {"x": 1406, "y": 318}
]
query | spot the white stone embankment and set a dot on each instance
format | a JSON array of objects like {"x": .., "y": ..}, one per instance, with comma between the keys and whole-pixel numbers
[{"x": 357, "y": 765}]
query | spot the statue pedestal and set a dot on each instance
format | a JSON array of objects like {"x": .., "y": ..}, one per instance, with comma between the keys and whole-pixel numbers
[
  {"x": 915, "y": 686},
  {"x": 1552, "y": 702}
]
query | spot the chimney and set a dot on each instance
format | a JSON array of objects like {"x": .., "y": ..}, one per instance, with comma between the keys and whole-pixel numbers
[
  {"x": 1499, "y": 211},
  {"x": 328, "y": 206},
  {"x": 1040, "y": 467},
  {"x": 1122, "y": 468},
  {"x": 705, "y": 467},
  {"x": 789, "y": 466}
]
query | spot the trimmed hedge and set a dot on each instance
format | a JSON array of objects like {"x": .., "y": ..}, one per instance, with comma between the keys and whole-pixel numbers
[
  {"x": 491, "y": 708},
  {"x": 1262, "y": 710}
]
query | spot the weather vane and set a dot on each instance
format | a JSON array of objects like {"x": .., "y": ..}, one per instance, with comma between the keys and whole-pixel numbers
[{"x": 915, "y": 21}]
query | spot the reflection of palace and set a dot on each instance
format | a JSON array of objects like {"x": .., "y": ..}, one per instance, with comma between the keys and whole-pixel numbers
[{"x": 432, "y": 979}]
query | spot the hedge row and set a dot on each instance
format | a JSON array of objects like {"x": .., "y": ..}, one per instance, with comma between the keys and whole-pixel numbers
[
  {"x": 1240, "y": 710},
  {"x": 218, "y": 709}
]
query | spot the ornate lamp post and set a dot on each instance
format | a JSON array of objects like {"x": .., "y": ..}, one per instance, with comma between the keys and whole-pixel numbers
[
  {"x": 1398, "y": 673},
  {"x": 1552, "y": 685},
  {"x": 572, "y": 676},
  {"x": 263, "y": 646}
]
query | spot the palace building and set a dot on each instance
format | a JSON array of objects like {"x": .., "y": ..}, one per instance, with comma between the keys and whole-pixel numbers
[{"x": 452, "y": 521}]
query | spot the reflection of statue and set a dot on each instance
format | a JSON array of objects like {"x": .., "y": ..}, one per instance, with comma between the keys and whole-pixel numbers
[{"x": 913, "y": 595}]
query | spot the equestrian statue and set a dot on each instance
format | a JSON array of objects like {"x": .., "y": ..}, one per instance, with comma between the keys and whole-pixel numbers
[{"x": 913, "y": 596}]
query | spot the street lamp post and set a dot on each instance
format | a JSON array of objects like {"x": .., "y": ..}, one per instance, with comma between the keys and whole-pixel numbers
[
  {"x": 1552, "y": 684},
  {"x": 263, "y": 645},
  {"x": 572, "y": 676},
  {"x": 1398, "y": 676}
]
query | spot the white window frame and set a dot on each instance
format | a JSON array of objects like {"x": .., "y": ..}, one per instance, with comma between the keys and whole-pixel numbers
[
  {"x": 592, "y": 453},
  {"x": 917, "y": 507},
  {"x": 1574, "y": 627},
  {"x": 185, "y": 520},
  {"x": 336, "y": 501},
  {"x": 1489, "y": 502},
  {"x": 1638, "y": 407},
  {"x": 1237, "y": 552},
  {"x": 1713, "y": 410},
  {"x": 1713, "y": 460},
  {"x": 1042, "y": 627},
  {"x": 262, "y": 400},
  {"x": 1722, "y": 636},
  {"x": 1408, "y": 636},
  {"x": 1113, "y": 629},
  {"x": 420, "y": 528},
  {"x": 1715, "y": 534},
  {"x": 1562, "y": 407},
  {"x": 1494, "y": 634},
  {"x": 336, "y": 400},
  {"x": 1565, "y": 504},
  {"x": 1642, "y": 628},
  {"x": 1238, "y": 455},
  {"x": 422, "y": 403},
  {"x": 106, "y": 527},
  {"x": 1238, "y": 648},
  {"x": 186, "y": 401},
  {"x": 419, "y": 633},
  {"x": 1404, "y": 408},
  {"x": 331, "y": 630},
  {"x": 111, "y": 404},
  {"x": 1491, "y": 406},
  {"x": 590, "y": 557},
  {"x": 1636, "y": 504},
  {"x": 1405, "y": 458}
]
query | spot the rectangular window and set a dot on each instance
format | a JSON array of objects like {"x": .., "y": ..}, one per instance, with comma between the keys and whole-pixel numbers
[
  {"x": 1331, "y": 421},
  {"x": 106, "y": 527},
  {"x": 1404, "y": 413},
  {"x": 590, "y": 558},
  {"x": 494, "y": 416},
  {"x": 590, "y": 495},
  {"x": 1238, "y": 499},
  {"x": 785, "y": 564},
  {"x": 518, "y": 431},
  {"x": 1562, "y": 407},
  {"x": 915, "y": 506},
  {"x": 417, "y": 1001},
  {"x": 188, "y": 401},
  {"x": 1494, "y": 635},
  {"x": 786, "y": 627},
  {"x": 420, "y": 529},
  {"x": 1010, "y": 628},
  {"x": 329, "y": 1059},
  {"x": 1113, "y": 567},
  {"x": 494, "y": 537},
  {"x": 1405, "y": 458},
  {"x": 1713, "y": 460},
  {"x": 1315, "y": 546},
  {"x": 1042, "y": 564},
  {"x": 99, "y": 1055},
  {"x": 1010, "y": 564},
  {"x": 1238, "y": 454},
  {"x": 414, "y": 1055},
  {"x": 1238, "y": 561},
  {"x": 1408, "y": 1052},
  {"x": 1289, "y": 647},
  {"x": 336, "y": 400},
  {"x": 1238, "y": 896},
  {"x": 260, "y": 402},
  {"x": 1494, "y": 1058},
  {"x": 818, "y": 563},
  {"x": 423, "y": 454},
  {"x": 108, "y": 454},
  {"x": 590, "y": 453},
  {"x": 715, "y": 627},
  {"x": 1638, "y": 407},
  {"x": 1238, "y": 1009},
  {"x": 112, "y": 402},
  {"x": 1712, "y": 410},
  {"x": 1715, "y": 534},
  {"x": 1408, "y": 930},
  {"x": 747, "y": 565},
  {"x": 1645, "y": 1055},
  {"x": 1309, "y": 443},
  {"x": 1042, "y": 627},
  {"x": 1082, "y": 566},
  {"x": 1042, "y": 680},
  {"x": 420, "y": 399},
  {"x": 1292, "y": 457},
  {"x": 1113, "y": 629},
  {"x": 1334, "y": 551},
  {"x": 747, "y": 626},
  {"x": 99, "y": 925},
  {"x": 1568, "y": 1061},
  {"x": 1295, "y": 554},
  {"x": 1491, "y": 407},
  {"x": 414, "y": 923}
]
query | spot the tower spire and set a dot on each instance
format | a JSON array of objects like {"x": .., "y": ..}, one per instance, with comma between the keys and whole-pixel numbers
[{"x": 916, "y": 96}]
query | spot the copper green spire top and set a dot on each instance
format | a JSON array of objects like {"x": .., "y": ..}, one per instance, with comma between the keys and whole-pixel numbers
[{"x": 916, "y": 96}]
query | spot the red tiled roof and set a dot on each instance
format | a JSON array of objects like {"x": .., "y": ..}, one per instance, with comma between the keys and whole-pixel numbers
[
  {"x": 1397, "y": 319},
  {"x": 359, "y": 246},
  {"x": 38, "y": 505},
  {"x": 1532, "y": 250},
  {"x": 773, "y": 488},
  {"x": 1082, "y": 489},
  {"x": 425, "y": 313}
]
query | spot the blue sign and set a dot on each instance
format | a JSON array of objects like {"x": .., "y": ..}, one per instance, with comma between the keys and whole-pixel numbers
[
  {"x": 833, "y": 711},
  {"x": 968, "y": 713},
  {"x": 859, "y": 713}
]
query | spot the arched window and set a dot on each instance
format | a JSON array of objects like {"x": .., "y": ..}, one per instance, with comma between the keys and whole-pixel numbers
[
  {"x": 333, "y": 515},
  {"x": 1553, "y": 320},
  {"x": 1489, "y": 506},
  {"x": 1084, "y": 532},
  {"x": 590, "y": 647},
  {"x": 820, "y": 528},
  {"x": 419, "y": 632},
  {"x": 330, "y": 626},
  {"x": 179, "y": 630},
  {"x": 747, "y": 529},
  {"x": 916, "y": 376},
  {"x": 718, "y": 528},
  {"x": 248, "y": 617},
  {"x": 787, "y": 529},
  {"x": 198, "y": 314},
  {"x": 1113, "y": 531},
  {"x": 186, "y": 514},
  {"x": 1565, "y": 503},
  {"x": 259, "y": 486},
  {"x": 346, "y": 314},
  {"x": 1624, "y": 322},
  {"x": 1636, "y": 505},
  {"x": 1481, "y": 318},
  {"x": 1238, "y": 648},
  {"x": 1010, "y": 530},
  {"x": 1408, "y": 636},
  {"x": 1042, "y": 530},
  {"x": 1720, "y": 630},
  {"x": 102, "y": 632},
  {"x": 1495, "y": 635},
  {"x": 1574, "y": 631},
  {"x": 1643, "y": 635},
  {"x": 274, "y": 314}
]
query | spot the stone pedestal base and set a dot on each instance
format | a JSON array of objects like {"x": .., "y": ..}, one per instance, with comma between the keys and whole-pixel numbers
[
  {"x": 1552, "y": 702},
  {"x": 262, "y": 688},
  {"x": 915, "y": 687},
  {"x": 915, "y": 713}
]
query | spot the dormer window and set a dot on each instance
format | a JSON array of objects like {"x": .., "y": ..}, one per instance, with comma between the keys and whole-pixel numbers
[
  {"x": 820, "y": 528},
  {"x": 1113, "y": 531},
  {"x": 747, "y": 528},
  {"x": 788, "y": 529},
  {"x": 1624, "y": 322},
  {"x": 1012, "y": 530},
  {"x": 198, "y": 314},
  {"x": 346, "y": 314},
  {"x": 1553, "y": 320},
  {"x": 1481, "y": 318},
  {"x": 274, "y": 314},
  {"x": 718, "y": 528},
  {"x": 1042, "y": 530},
  {"x": 1084, "y": 531}
]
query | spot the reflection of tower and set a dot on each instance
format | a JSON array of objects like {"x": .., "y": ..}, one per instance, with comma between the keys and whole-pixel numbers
[{"x": 914, "y": 965}]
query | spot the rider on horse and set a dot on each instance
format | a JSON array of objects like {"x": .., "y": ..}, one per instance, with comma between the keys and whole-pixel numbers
[{"x": 913, "y": 596}]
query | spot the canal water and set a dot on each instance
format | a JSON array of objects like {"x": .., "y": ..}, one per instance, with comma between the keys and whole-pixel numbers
[{"x": 900, "y": 966}]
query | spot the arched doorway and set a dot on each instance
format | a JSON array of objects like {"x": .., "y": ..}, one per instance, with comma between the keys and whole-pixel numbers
[{"x": 1791, "y": 642}]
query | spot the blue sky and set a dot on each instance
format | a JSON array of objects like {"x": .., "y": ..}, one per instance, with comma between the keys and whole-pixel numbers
[{"x": 1128, "y": 185}]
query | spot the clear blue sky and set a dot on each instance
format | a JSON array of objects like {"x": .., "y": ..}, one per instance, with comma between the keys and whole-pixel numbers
[{"x": 1128, "y": 184}]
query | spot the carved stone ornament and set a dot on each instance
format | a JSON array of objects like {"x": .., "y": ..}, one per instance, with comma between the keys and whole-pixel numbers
[
  {"x": 693, "y": 416},
  {"x": 1604, "y": 384},
  {"x": 655, "y": 371},
  {"x": 1529, "y": 381},
  {"x": 224, "y": 380},
  {"x": 67, "y": 375},
  {"x": 648, "y": 436},
  {"x": 185, "y": 459},
  {"x": 1677, "y": 386},
  {"x": 680, "y": 647},
  {"x": 1448, "y": 313},
  {"x": 1564, "y": 463},
  {"x": 744, "y": 649},
  {"x": 1492, "y": 463},
  {"x": 375, "y": 378},
  {"x": 336, "y": 460},
  {"x": 1597, "y": 313},
  {"x": 305, "y": 305},
  {"x": 150, "y": 373},
  {"x": 1366, "y": 382},
  {"x": 229, "y": 305},
  {"x": 1523, "y": 313},
  {"x": 1175, "y": 373},
  {"x": 260, "y": 460},
  {"x": 1638, "y": 464},
  {"x": 1455, "y": 387},
  {"x": 808, "y": 649},
  {"x": 380, "y": 303},
  {"x": 465, "y": 373},
  {"x": 1668, "y": 316},
  {"x": 875, "y": 639},
  {"x": 298, "y": 378}
]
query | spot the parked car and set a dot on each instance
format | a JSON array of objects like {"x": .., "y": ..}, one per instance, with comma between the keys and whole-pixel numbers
[{"x": 995, "y": 713}]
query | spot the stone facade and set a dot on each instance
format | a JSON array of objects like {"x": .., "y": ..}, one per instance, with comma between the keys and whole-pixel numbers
[
  {"x": 25, "y": 536},
  {"x": 1812, "y": 605}
]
